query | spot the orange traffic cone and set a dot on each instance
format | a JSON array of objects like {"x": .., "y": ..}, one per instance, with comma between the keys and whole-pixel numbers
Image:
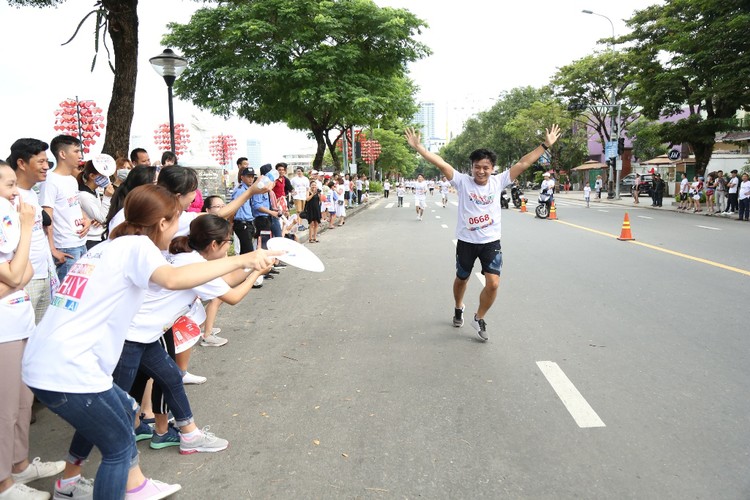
[
  {"x": 523, "y": 205},
  {"x": 625, "y": 234},
  {"x": 553, "y": 211}
]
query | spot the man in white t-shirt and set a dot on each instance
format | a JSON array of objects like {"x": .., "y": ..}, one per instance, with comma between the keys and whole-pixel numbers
[
  {"x": 444, "y": 189},
  {"x": 301, "y": 184},
  {"x": 58, "y": 195},
  {"x": 478, "y": 225},
  {"x": 684, "y": 188},
  {"x": 732, "y": 199},
  {"x": 420, "y": 196},
  {"x": 548, "y": 188},
  {"x": 28, "y": 157}
]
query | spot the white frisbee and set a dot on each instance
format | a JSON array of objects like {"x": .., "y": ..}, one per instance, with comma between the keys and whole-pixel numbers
[
  {"x": 296, "y": 255},
  {"x": 104, "y": 164},
  {"x": 10, "y": 226}
]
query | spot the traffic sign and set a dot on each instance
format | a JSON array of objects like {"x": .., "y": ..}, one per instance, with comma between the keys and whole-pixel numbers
[{"x": 611, "y": 149}]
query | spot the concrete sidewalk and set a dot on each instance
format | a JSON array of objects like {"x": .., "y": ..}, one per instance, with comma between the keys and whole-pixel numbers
[{"x": 669, "y": 203}]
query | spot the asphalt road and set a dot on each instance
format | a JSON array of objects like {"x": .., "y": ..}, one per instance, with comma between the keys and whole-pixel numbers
[{"x": 613, "y": 370}]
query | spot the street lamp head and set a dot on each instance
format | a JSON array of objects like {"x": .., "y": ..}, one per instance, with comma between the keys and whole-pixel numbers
[
  {"x": 168, "y": 65},
  {"x": 587, "y": 11}
]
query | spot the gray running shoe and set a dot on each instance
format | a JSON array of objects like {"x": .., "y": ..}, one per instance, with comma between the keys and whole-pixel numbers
[
  {"x": 481, "y": 327},
  {"x": 458, "y": 317},
  {"x": 83, "y": 489},
  {"x": 207, "y": 442}
]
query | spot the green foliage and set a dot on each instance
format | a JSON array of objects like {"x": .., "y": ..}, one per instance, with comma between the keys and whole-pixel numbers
[
  {"x": 513, "y": 127},
  {"x": 376, "y": 187},
  {"x": 591, "y": 81},
  {"x": 647, "y": 139},
  {"x": 694, "y": 55},
  {"x": 317, "y": 65}
]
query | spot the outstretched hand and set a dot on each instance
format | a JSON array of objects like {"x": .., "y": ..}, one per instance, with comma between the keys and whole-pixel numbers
[
  {"x": 413, "y": 137},
  {"x": 552, "y": 135}
]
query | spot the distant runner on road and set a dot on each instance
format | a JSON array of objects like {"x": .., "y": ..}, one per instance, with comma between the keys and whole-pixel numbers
[{"x": 478, "y": 226}]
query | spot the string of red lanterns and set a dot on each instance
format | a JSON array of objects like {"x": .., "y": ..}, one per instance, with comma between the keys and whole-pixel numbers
[
  {"x": 81, "y": 119},
  {"x": 223, "y": 147},
  {"x": 181, "y": 138}
]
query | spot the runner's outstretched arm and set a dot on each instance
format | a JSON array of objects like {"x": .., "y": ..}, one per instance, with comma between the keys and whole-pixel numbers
[
  {"x": 414, "y": 139},
  {"x": 552, "y": 134}
]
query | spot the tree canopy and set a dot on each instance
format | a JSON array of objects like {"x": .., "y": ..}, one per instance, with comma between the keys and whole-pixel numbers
[
  {"x": 317, "y": 65},
  {"x": 692, "y": 54}
]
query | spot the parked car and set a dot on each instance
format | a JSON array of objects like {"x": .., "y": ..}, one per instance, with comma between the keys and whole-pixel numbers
[{"x": 627, "y": 184}]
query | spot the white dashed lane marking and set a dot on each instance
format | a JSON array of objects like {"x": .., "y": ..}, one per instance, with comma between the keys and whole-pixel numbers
[{"x": 579, "y": 409}]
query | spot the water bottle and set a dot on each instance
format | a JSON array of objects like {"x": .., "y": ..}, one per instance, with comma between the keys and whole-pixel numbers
[{"x": 268, "y": 179}]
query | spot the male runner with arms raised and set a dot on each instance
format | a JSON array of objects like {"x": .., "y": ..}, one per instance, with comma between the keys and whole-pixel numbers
[{"x": 478, "y": 226}]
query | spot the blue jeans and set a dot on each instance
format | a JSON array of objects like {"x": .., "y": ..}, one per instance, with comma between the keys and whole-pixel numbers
[
  {"x": 153, "y": 360},
  {"x": 77, "y": 253},
  {"x": 105, "y": 420},
  {"x": 275, "y": 227}
]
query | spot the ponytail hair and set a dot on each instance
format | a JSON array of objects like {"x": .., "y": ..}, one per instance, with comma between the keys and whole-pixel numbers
[
  {"x": 204, "y": 230},
  {"x": 139, "y": 176},
  {"x": 179, "y": 180},
  {"x": 145, "y": 207}
]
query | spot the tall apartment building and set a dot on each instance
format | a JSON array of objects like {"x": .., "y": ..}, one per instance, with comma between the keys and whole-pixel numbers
[
  {"x": 254, "y": 153},
  {"x": 425, "y": 117}
]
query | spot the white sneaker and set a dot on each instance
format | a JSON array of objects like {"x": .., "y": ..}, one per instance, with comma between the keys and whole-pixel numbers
[
  {"x": 213, "y": 341},
  {"x": 258, "y": 283},
  {"x": 37, "y": 470},
  {"x": 189, "y": 378},
  {"x": 22, "y": 492},
  {"x": 153, "y": 490},
  {"x": 83, "y": 489}
]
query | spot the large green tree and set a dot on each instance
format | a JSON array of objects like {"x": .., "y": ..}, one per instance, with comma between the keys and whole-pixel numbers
[
  {"x": 593, "y": 81},
  {"x": 119, "y": 20},
  {"x": 694, "y": 56},
  {"x": 317, "y": 65}
]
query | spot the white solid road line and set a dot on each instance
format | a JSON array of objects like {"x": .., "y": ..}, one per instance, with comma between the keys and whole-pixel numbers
[
  {"x": 444, "y": 226},
  {"x": 709, "y": 227},
  {"x": 390, "y": 205},
  {"x": 480, "y": 276},
  {"x": 579, "y": 409}
]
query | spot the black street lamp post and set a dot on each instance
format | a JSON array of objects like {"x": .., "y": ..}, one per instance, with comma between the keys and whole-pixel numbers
[{"x": 170, "y": 66}]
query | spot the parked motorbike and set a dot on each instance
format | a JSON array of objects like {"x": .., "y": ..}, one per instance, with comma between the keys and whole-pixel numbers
[
  {"x": 504, "y": 199},
  {"x": 544, "y": 206},
  {"x": 516, "y": 194}
]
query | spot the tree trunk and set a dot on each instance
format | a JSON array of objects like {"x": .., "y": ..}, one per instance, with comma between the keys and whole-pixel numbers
[
  {"x": 319, "y": 135},
  {"x": 123, "y": 29},
  {"x": 703, "y": 152},
  {"x": 334, "y": 154}
]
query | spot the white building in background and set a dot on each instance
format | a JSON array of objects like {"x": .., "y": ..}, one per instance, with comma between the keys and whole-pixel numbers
[
  {"x": 303, "y": 158},
  {"x": 254, "y": 156},
  {"x": 425, "y": 117}
]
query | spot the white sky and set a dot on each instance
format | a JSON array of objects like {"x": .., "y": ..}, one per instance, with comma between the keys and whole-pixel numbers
[{"x": 480, "y": 48}]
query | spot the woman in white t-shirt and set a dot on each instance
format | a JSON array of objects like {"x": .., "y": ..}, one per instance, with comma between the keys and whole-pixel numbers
[
  {"x": 70, "y": 358},
  {"x": 94, "y": 203},
  {"x": 151, "y": 350},
  {"x": 17, "y": 313}
]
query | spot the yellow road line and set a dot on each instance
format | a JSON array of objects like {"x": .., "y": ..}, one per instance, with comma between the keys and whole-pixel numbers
[{"x": 665, "y": 250}]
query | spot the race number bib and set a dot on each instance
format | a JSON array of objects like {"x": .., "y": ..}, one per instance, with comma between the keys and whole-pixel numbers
[{"x": 478, "y": 222}]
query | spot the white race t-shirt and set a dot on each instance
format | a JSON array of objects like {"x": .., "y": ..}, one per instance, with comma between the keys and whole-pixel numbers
[
  {"x": 420, "y": 189},
  {"x": 684, "y": 185},
  {"x": 733, "y": 183},
  {"x": 300, "y": 185},
  {"x": 161, "y": 307},
  {"x": 744, "y": 190},
  {"x": 78, "y": 343},
  {"x": 479, "y": 207},
  {"x": 40, "y": 252},
  {"x": 60, "y": 193},
  {"x": 16, "y": 310},
  {"x": 444, "y": 187}
]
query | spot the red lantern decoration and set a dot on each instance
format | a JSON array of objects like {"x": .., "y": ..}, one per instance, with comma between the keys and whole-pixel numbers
[
  {"x": 81, "y": 119},
  {"x": 223, "y": 147},
  {"x": 181, "y": 138},
  {"x": 370, "y": 150}
]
